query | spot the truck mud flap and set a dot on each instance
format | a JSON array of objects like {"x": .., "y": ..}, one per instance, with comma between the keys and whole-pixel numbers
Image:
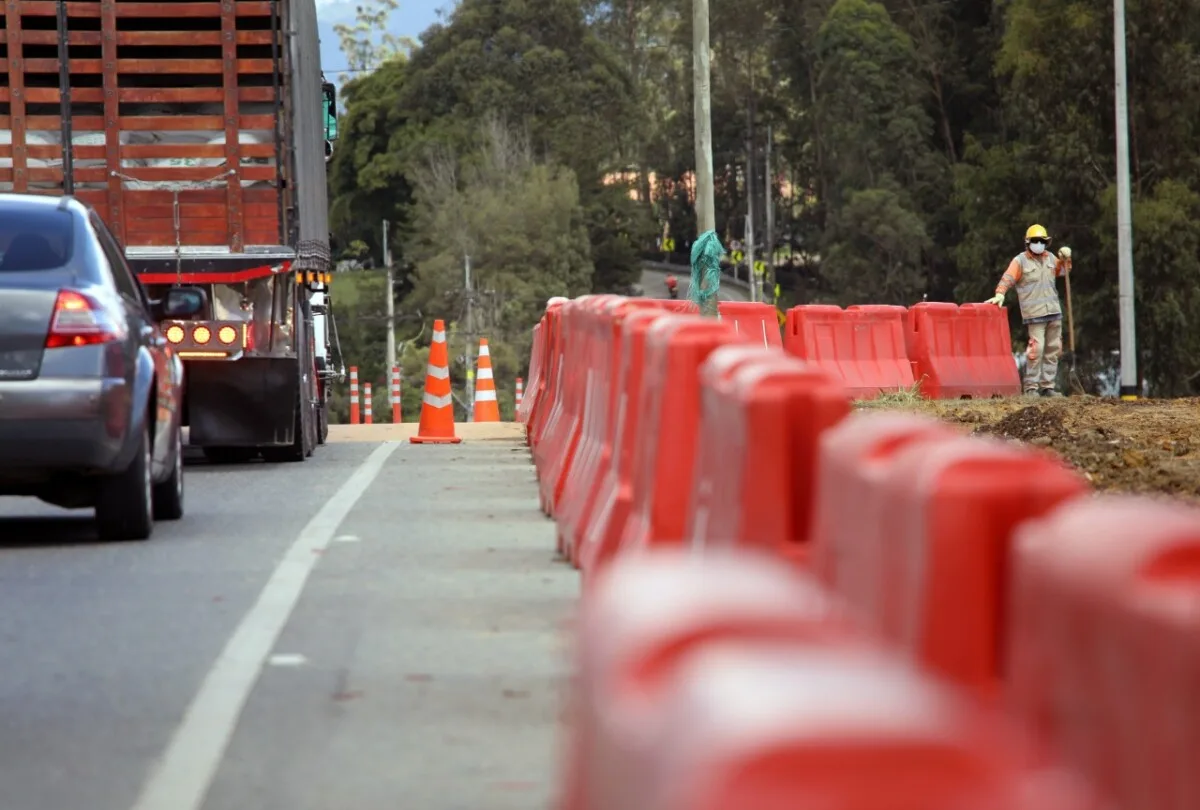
[{"x": 245, "y": 403}]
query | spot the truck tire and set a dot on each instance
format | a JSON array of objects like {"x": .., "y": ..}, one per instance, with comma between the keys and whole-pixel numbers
[
  {"x": 323, "y": 423},
  {"x": 230, "y": 455},
  {"x": 125, "y": 501},
  {"x": 298, "y": 450},
  {"x": 168, "y": 495}
]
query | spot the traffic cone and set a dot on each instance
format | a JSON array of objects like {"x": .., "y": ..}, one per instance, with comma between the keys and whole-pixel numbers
[
  {"x": 487, "y": 409},
  {"x": 437, "y": 405}
]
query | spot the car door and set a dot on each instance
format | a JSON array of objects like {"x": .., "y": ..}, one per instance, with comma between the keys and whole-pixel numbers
[{"x": 144, "y": 329}]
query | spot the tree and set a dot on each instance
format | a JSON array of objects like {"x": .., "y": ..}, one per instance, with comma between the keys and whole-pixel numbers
[
  {"x": 358, "y": 40},
  {"x": 519, "y": 220},
  {"x": 367, "y": 178},
  {"x": 536, "y": 62}
]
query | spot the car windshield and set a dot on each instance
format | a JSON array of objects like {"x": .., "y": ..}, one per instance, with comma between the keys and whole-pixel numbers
[{"x": 34, "y": 238}]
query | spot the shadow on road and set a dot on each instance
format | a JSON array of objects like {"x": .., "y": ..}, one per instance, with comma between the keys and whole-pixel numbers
[
  {"x": 71, "y": 529},
  {"x": 76, "y": 527}
]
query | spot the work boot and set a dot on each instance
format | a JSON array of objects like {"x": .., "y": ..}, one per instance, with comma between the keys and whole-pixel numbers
[
  {"x": 1050, "y": 392},
  {"x": 1032, "y": 392}
]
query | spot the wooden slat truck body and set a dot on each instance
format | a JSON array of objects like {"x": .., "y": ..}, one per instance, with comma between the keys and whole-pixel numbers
[{"x": 197, "y": 130}]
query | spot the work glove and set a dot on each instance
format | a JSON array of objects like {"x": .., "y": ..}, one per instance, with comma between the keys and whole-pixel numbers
[
  {"x": 1064, "y": 253},
  {"x": 998, "y": 300}
]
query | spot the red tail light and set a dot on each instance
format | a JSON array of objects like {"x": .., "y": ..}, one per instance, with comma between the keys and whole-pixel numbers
[{"x": 80, "y": 321}]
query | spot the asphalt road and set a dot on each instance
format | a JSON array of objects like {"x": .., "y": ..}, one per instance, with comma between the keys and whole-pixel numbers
[
  {"x": 654, "y": 284},
  {"x": 374, "y": 628}
]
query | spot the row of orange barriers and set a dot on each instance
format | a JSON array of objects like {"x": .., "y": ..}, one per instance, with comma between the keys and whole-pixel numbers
[
  {"x": 951, "y": 351},
  {"x": 787, "y": 604}
]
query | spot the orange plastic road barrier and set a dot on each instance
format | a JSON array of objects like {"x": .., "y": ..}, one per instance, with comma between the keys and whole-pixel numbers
[
  {"x": 852, "y": 461},
  {"x": 763, "y": 423},
  {"x": 601, "y": 532},
  {"x": 715, "y": 371},
  {"x": 647, "y": 614},
  {"x": 665, "y": 448},
  {"x": 437, "y": 405},
  {"x": 595, "y": 441},
  {"x": 550, "y": 388},
  {"x": 354, "y": 404},
  {"x": 961, "y": 351},
  {"x": 757, "y": 321},
  {"x": 557, "y": 451},
  {"x": 556, "y": 422},
  {"x": 519, "y": 395},
  {"x": 487, "y": 408},
  {"x": 1104, "y": 648},
  {"x": 948, "y": 512},
  {"x": 755, "y": 726},
  {"x": 535, "y": 375},
  {"x": 863, "y": 345}
]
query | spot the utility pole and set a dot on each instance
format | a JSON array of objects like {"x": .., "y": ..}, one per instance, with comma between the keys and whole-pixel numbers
[
  {"x": 706, "y": 214},
  {"x": 750, "y": 203},
  {"x": 1129, "y": 374},
  {"x": 470, "y": 336},
  {"x": 769, "y": 182},
  {"x": 391, "y": 305},
  {"x": 706, "y": 218}
]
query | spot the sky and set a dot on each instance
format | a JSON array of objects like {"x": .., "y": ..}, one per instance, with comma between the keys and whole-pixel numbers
[{"x": 410, "y": 19}]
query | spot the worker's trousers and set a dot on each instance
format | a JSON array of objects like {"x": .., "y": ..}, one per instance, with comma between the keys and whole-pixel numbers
[{"x": 1041, "y": 358}]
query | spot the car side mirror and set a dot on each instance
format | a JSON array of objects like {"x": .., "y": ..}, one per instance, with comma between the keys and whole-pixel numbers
[{"x": 182, "y": 302}]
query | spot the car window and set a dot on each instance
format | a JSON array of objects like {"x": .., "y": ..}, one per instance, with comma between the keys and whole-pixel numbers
[
  {"x": 34, "y": 238},
  {"x": 127, "y": 285}
]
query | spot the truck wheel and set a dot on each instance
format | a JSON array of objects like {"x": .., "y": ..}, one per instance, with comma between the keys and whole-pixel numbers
[
  {"x": 230, "y": 455},
  {"x": 124, "y": 503},
  {"x": 298, "y": 450},
  {"x": 323, "y": 423},
  {"x": 168, "y": 495}
]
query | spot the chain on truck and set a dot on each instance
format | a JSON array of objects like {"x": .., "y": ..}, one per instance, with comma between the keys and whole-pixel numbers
[{"x": 200, "y": 133}]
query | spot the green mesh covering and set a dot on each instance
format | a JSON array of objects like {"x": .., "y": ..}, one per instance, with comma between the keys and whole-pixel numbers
[{"x": 706, "y": 272}]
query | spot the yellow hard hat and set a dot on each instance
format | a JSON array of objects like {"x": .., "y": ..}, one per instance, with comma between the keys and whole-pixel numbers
[{"x": 1036, "y": 232}]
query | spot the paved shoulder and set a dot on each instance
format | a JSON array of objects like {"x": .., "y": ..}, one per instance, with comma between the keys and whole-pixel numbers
[{"x": 422, "y": 664}]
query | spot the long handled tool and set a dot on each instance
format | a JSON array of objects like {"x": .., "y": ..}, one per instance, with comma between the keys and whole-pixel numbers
[{"x": 1072, "y": 375}]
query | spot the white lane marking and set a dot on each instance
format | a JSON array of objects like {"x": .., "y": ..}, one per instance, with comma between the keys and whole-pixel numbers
[
  {"x": 287, "y": 660},
  {"x": 347, "y": 538},
  {"x": 187, "y": 767}
]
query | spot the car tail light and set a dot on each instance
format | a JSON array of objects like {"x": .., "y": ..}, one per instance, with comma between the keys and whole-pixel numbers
[
  {"x": 175, "y": 334},
  {"x": 201, "y": 334},
  {"x": 78, "y": 320},
  {"x": 227, "y": 334}
]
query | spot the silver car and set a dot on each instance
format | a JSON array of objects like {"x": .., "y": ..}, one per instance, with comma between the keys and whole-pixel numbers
[{"x": 90, "y": 391}]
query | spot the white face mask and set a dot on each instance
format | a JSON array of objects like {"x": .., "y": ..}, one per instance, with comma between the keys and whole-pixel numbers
[{"x": 1036, "y": 248}]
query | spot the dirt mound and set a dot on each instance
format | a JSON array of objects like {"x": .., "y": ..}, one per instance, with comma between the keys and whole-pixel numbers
[{"x": 1150, "y": 446}]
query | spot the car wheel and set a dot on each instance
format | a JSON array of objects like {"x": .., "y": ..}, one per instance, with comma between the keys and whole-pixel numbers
[
  {"x": 168, "y": 495},
  {"x": 124, "y": 503}
]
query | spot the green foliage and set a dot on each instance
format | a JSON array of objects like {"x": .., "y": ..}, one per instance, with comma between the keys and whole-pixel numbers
[
  {"x": 518, "y": 220},
  {"x": 912, "y": 142},
  {"x": 367, "y": 178}
]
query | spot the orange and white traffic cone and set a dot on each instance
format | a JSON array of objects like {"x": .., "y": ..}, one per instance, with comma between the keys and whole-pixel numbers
[
  {"x": 354, "y": 395},
  {"x": 487, "y": 409},
  {"x": 437, "y": 405},
  {"x": 520, "y": 393}
]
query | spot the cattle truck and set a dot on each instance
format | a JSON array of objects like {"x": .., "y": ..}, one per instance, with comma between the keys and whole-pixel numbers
[{"x": 199, "y": 132}]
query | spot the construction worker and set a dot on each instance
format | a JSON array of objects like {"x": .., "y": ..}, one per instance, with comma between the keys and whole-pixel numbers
[{"x": 1033, "y": 273}]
